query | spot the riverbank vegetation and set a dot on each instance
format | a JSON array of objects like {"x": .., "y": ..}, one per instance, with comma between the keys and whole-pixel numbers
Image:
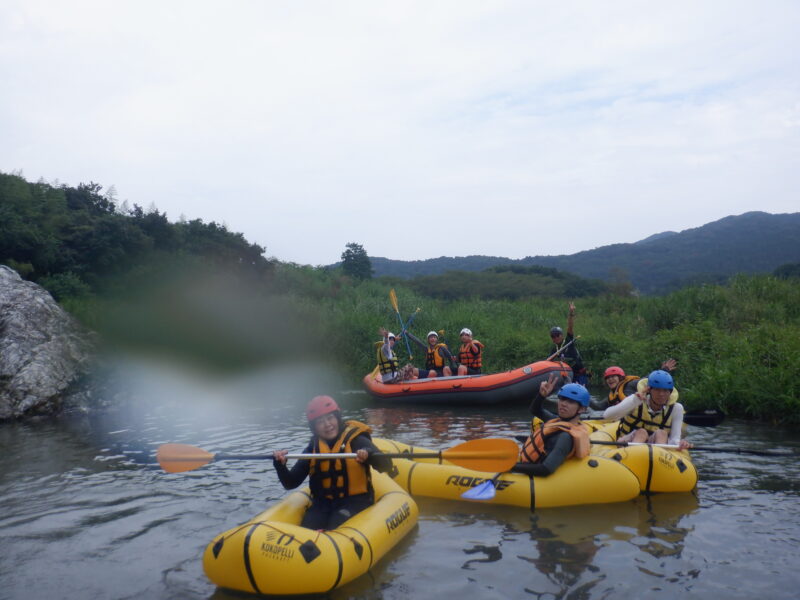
[
  {"x": 203, "y": 293},
  {"x": 737, "y": 345}
]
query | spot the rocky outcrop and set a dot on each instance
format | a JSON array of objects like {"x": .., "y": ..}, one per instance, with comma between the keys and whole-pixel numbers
[{"x": 43, "y": 351}]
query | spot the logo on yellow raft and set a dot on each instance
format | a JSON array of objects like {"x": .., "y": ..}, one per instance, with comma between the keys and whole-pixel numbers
[
  {"x": 394, "y": 520},
  {"x": 470, "y": 482},
  {"x": 278, "y": 547}
]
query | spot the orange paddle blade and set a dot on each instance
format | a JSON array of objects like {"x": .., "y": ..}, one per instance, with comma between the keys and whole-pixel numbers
[
  {"x": 487, "y": 454},
  {"x": 393, "y": 299},
  {"x": 177, "y": 458}
]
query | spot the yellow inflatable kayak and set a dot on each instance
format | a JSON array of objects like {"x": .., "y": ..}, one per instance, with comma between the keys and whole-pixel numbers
[
  {"x": 272, "y": 554},
  {"x": 657, "y": 469},
  {"x": 590, "y": 480}
]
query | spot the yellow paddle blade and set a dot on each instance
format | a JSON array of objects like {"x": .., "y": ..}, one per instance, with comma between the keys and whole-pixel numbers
[
  {"x": 393, "y": 299},
  {"x": 487, "y": 454},
  {"x": 177, "y": 458}
]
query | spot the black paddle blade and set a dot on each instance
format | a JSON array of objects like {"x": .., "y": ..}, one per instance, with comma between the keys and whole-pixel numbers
[{"x": 709, "y": 417}]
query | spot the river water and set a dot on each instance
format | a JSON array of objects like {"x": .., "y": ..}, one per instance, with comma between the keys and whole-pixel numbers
[{"x": 85, "y": 513}]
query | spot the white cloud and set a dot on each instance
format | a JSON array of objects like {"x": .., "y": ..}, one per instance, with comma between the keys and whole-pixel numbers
[{"x": 511, "y": 128}]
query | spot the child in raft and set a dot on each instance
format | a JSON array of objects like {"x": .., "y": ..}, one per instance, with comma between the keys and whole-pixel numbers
[
  {"x": 620, "y": 385},
  {"x": 649, "y": 414},
  {"x": 561, "y": 436},
  {"x": 340, "y": 488}
]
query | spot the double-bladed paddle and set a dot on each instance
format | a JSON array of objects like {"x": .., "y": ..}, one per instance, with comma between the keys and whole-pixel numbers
[
  {"x": 699, "y": 448},
  {"x": 704, "y": 417},
  {"x": 487, "y": 454},
  {"x": 393, "y": 300}
]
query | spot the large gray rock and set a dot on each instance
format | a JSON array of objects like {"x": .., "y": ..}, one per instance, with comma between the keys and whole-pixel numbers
[{"x": 43, "y": 350}]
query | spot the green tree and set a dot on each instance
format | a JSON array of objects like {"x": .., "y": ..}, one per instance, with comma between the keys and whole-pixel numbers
[
  {"x": 355, "y": 262},
  {"x": 787, "y": 270}
]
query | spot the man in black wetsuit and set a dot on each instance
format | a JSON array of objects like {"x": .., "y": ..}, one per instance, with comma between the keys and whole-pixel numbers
[
  {"x": 561, "y": 436},
  {"x": 565, "y": 350}
]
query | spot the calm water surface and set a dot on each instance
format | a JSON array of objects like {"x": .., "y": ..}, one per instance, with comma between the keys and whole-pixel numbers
[{"x": 85, "y": 514}]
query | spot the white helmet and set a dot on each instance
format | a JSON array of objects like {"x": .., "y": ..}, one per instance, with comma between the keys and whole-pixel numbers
[
  {"x": 430, "y": 333},
  {"x": 391, "y": 336},
  {"x": 467, "y": 331}
]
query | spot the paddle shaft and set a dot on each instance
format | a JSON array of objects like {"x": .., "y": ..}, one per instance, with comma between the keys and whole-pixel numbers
[
  {"x": 393, "y": 300},
  {"x": 698, "y": 418},
  {"x": 562, "y": 348},
  {"x": 441, "y": 454},
  {"x": 700, "y": 448}
]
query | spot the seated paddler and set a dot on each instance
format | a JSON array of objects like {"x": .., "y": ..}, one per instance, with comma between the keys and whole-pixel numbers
[
  {"x": 652, "y": 415},
  {"x": 388, "y": 364},
  {"x": 620, "y": 385},
  {"x": 340, "y": 488},
  {"x": 560, "y": 436}
]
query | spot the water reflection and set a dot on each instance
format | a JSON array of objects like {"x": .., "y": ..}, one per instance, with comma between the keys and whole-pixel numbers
[{"x": 85, "y": 513}]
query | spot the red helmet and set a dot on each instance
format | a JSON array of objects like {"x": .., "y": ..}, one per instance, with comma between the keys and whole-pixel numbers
[
  {"x": 319, "y": 406},
  {"x": 613, "y": 371}
]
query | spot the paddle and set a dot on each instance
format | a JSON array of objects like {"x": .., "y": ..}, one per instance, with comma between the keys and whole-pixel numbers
[
  {"x": 704, "y": 417},
  {"x": 407, "y": 326},
  {"x": 487, "y": 454},
  {"x": 560, "y": 350},
  {"x": 700, "y": 448},
  {"x": 482, "y": 491},
  {"x": 393, "y": 300}
]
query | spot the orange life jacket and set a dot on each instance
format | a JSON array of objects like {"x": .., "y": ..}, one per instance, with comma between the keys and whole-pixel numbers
[
  {"x": 533, "y": 450},
  {"x": 467, "y": 358},
  {"x": 338, "y": 478}
]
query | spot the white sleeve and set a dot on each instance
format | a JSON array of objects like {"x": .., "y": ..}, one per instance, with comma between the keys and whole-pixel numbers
[
  {"x": 677, "y": 424},
  {"x": 612, "y": 413}
]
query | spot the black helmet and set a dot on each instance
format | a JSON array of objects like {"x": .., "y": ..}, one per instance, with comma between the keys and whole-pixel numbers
[{"x": 556, "y": 331}]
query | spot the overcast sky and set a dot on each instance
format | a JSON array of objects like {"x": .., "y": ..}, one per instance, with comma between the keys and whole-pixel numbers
[{"x": 418, "y": 129}]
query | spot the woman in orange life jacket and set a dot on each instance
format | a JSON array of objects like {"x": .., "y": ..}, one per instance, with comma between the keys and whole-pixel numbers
[
  {"x": 652, "y": 415},
  {"x": 470, "y": 354},
  {"x": 340, "y": 488},
  {"x": 620, "y": 385},
  {"x": 437, "y": 355},
  {"x": 561, "y": 436}
]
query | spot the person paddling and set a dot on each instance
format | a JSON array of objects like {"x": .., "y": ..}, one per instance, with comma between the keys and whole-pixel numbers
[
  {"x": 620, "y": 385},
  {"x": 470, "y": 354},
  {"x": 340, "y": 488},
  {"x": 561, "y": 436},
  {"x": 652, "y": 415}
]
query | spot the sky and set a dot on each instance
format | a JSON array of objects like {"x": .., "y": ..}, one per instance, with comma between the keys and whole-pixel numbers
[{"x": 417, "y": 129}]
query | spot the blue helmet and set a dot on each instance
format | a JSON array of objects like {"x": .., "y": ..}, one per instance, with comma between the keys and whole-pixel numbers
[
  {"x": 576, "y": 393},
  {"x": 660, "y": 380}
]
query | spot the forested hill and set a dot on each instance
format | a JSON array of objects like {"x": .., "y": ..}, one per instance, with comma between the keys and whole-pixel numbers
[
  {"x": 754, "y": 242},
  {"x": 74, "y": 240}
]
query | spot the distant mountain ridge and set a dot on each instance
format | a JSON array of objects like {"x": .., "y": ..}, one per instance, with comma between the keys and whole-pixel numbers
[{"x": 753, "y": 242}]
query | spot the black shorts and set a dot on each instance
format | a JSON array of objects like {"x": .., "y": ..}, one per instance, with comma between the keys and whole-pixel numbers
[{"x": 473, "y": 371}]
